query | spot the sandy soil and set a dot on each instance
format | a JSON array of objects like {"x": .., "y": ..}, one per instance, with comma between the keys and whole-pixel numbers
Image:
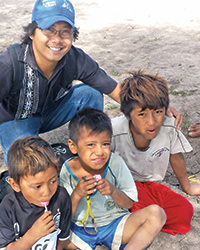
[{"x": 160, "y": 37}]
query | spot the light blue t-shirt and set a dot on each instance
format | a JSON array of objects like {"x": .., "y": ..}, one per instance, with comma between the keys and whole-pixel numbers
[{"x": 103, "y": 207}]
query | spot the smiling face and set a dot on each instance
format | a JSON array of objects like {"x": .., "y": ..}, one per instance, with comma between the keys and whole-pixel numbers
[
  {"x": 39, "y": 188},
  {"x": 93, "y": 150},
  {"x": 145, "y": 124},
  {"x": 48, "y": 50}
]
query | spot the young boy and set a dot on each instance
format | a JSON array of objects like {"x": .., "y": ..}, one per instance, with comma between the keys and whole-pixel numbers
[
  {"x": 37, "y": 213},
  {"x": 148, "y": 141},
  {"x": 102, "y": 190}
]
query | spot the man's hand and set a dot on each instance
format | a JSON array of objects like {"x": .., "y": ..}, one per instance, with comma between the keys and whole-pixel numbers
[
  {"x": 171, "y": 112},
  {"x": 194, "y": 130}
]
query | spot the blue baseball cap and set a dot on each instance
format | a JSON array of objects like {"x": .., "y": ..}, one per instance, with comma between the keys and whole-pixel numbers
[{"x": 47, "y": 12}]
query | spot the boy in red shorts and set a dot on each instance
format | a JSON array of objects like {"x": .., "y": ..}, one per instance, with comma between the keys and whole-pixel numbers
[{"x": 148, "y": 141}]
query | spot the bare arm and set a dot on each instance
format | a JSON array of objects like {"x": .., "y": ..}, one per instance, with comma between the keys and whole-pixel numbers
[
  {"x": 119, "y": 197},
  {"x": 82, "y": 189},
  {"x": 178, "y": 164},
  {"x": 115, "y": 93},
  {"x": 75, "y": 199},
  {"x": 24, "y": 243}
]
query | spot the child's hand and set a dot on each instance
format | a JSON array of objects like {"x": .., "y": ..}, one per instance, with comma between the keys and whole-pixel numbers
[
  {"x": 195, "y": 188},
  {"x": 178, "y": 117},
  {"x": 119, "y": 197},
  {"x": 105, "y": 187},
  {"x": 86, "y": 186},
  {"x": 43, "y": 225}
]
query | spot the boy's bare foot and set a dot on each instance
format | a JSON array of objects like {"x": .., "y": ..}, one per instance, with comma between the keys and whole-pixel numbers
[{"x": 194, "y": 130}]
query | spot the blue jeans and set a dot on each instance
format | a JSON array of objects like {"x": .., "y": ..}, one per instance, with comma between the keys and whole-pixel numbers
[{"x": 52, "y": 117}]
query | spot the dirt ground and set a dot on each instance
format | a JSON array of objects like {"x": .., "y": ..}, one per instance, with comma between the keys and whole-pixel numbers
[{"x": 160, "y": 37}]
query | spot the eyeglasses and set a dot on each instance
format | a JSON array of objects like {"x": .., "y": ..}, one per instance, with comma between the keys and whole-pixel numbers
[{"x": 64, "y": 34}]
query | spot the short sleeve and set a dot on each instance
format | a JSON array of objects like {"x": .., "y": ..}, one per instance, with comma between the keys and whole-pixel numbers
[
  {"x": 66, "y": 214},
  {"x": 89, "y": 72},
  {"x": 179, "y": 144},
  {"x": 7, "y": 223},
  {"x": 125, "y": 181}
]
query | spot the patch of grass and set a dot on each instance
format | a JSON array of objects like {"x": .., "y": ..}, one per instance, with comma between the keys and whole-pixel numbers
[
  {"x": 173, "y": 91},
  {"x": 186, "y": 122},
  {"x": 115, "y": 73},
  {"x": 111, "y": 106}
]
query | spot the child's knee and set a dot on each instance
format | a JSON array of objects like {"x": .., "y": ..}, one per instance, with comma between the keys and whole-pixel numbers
[{"x": 157, "y": 214}]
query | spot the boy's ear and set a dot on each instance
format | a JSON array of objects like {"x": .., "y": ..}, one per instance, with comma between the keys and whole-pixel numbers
[
  {"x": 72, "y": 146},
  {"x": 14, "y": 185},
  {"x": 30, "y": 34}
]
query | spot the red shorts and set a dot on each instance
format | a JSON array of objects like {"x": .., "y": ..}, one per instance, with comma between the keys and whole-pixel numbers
[{"x": 178, "y": 209}]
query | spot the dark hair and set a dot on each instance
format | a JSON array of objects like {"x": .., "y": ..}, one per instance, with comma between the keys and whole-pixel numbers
[
  {"x": 30, "y": 155},
  {"x": 145, "y": 90},
  {"x": 95, "y": 120},
  {"x": 30, "y": 30}
]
